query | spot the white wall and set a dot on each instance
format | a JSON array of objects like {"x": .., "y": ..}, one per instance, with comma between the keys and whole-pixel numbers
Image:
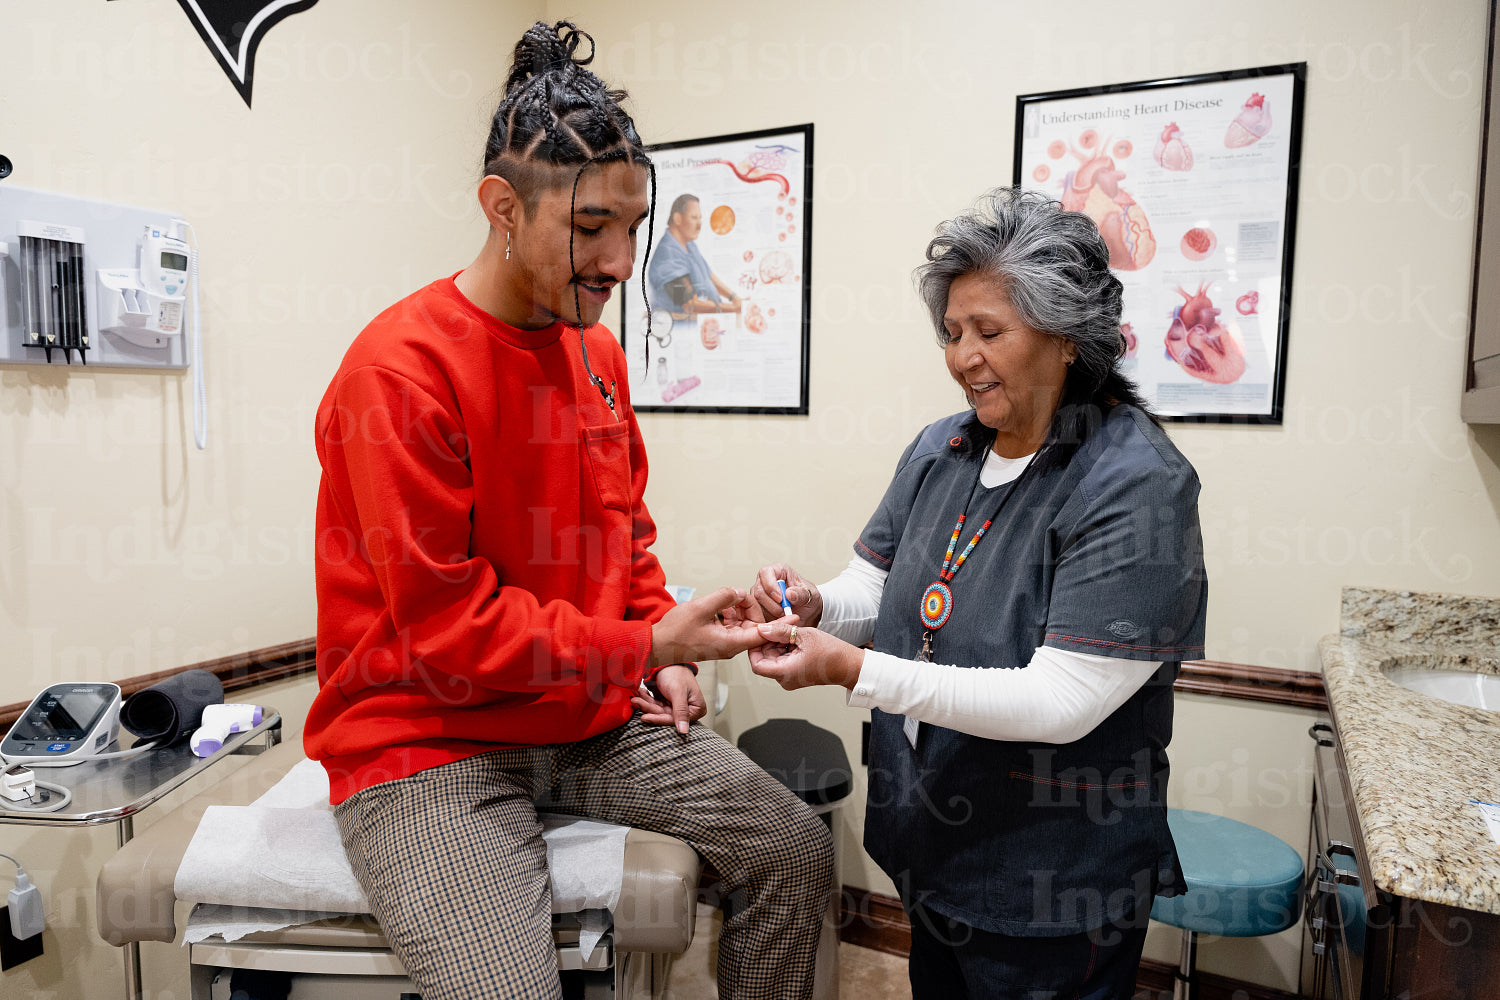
[{"x": 123, "y": 550}]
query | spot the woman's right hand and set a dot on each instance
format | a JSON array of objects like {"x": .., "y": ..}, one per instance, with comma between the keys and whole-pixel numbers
[
  {"x": 714, "y": 627},
  {"x": 806, "y": 602}
]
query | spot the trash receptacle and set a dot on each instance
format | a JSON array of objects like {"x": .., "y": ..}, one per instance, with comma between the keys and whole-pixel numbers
[{"x": 812, "y": 764}]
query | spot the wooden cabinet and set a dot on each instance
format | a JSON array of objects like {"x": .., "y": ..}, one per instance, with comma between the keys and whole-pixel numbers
[
  {"x": 1360, "y": 943},
  {"x": 1481, "y": 396}
]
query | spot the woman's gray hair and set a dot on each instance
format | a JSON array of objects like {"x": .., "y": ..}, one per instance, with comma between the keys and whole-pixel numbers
[
  {"x": 1052, "y": 264},
  {"x": 1054, "y": 268}
]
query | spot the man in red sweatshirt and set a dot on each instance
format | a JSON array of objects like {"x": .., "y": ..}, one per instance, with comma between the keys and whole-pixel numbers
[{"x": 493, "y": 631}]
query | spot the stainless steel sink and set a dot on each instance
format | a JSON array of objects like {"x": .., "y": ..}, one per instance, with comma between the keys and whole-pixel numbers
[{"x": 1448, "y": 679}]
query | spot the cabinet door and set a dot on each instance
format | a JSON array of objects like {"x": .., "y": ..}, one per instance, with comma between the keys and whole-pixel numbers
[
  {"x": 1481, "y": 396},
  {"x": 1485, "y": 342},
  {"x": 1345, "y": 906}
]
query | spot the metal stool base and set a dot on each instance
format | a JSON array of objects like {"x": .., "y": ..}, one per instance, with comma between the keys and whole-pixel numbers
[{"x": 1183, "y": 982}]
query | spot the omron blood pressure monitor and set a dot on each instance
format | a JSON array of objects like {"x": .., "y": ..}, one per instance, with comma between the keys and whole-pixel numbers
[{"x": 65, "y": 724}]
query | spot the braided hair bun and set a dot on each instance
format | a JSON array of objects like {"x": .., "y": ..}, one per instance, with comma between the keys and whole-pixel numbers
[
  {"x": 545, "y": 49},
  {"x": 555, "y": 110}
]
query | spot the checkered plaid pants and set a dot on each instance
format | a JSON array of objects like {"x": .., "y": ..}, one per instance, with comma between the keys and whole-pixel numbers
[{"x": 453, "y": 863}]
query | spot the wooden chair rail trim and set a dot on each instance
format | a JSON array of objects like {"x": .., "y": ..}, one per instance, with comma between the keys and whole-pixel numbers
[{"x": 1274, "y": 685}]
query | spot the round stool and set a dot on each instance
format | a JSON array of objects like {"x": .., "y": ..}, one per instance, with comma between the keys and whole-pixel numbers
[
  {"x": 812, "y": 764},
  {"x": 1242, "y": 882}
]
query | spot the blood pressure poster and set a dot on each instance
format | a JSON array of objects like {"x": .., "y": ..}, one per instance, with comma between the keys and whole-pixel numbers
[
  {"x": 1192, "y": 183},
  {"x": 727, "y": 278}
]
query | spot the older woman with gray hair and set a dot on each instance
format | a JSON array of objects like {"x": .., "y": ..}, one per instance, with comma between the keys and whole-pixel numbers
[{"x": 1028, "y": 587}]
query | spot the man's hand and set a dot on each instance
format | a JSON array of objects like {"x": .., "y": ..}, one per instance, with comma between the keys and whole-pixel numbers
[
  {"x": 714, "y": 627},
  {"x": 681, "y": 702}
]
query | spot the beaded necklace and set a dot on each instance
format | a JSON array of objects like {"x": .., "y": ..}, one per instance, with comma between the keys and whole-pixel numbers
[{"x": 936, "y": 606}]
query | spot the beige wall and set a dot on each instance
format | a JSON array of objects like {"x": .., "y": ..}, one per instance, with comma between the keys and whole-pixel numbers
[
  {"x": 123, "y": 549},
  {"x": 1372, "y": 479}
]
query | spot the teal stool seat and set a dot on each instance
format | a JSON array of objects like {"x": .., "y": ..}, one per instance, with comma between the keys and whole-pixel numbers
[{"x": 1241, "y": 880}]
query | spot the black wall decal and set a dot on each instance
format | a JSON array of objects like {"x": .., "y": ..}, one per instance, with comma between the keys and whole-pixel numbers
[{"x": 232, "y": 30}]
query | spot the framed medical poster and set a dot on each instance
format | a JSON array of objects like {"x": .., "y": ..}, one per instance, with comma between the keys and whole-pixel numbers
[
  {"x": 728, "y": 277},
  {"x": 1192, "y": 181}
]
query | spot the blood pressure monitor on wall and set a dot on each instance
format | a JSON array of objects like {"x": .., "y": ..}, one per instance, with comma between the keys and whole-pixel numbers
[{"x": 66, "y": 724}]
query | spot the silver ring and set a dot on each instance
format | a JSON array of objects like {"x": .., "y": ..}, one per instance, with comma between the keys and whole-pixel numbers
[{"x": 792, "y": 640}]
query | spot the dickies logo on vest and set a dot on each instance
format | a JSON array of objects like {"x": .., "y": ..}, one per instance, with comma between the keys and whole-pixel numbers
[{"x": 1123, "y": 629}]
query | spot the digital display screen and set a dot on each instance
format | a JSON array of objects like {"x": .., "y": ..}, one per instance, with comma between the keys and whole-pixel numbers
[
  {"x": 63, "y": 713},
  {"x": 173, "y": 261}
]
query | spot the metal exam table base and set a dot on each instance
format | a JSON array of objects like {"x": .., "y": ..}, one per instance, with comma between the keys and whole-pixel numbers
[{"x": 349, "y": 957}]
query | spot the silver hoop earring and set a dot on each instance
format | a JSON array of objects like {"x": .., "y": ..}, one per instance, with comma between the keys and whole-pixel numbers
[{"x": 507, "y": 244}]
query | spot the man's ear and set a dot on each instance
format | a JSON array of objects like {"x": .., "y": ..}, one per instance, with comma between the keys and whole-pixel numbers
[{"x": 499, "y": 202}]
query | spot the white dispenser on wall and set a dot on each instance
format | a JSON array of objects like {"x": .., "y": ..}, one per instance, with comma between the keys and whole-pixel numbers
[{"x": 146, "y": 303}]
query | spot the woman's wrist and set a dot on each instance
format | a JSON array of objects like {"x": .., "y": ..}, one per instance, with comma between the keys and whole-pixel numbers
[{"x": 815, "y": 612}]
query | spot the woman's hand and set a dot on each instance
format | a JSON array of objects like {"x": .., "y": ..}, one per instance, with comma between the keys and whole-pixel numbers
[
  {"x": 713, "y": 627},
  {"x": 681, "y": 701},
  {"x": 797, "y": 656},
  {"x": 806, "y": 602}
]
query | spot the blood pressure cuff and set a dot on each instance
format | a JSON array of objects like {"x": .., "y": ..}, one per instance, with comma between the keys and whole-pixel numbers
[
  {"x": 172, "y": 710},
  {"x": 679, "y": 290}
]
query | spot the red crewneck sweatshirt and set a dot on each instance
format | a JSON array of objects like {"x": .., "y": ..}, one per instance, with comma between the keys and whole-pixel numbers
[{"x": 484, "y": 576}]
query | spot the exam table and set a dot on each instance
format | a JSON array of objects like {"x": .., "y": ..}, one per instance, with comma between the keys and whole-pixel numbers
[{"x": 348, "y": 956}]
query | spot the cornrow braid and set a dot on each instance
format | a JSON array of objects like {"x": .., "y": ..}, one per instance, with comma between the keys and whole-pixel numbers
[{"x": 557, "y": 113}]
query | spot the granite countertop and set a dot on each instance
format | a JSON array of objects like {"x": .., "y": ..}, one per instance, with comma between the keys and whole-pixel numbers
[{"x": 1415, "y": 761}]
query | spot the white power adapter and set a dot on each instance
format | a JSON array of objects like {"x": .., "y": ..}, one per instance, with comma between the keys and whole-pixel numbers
[{"x": 26, "y": 916}]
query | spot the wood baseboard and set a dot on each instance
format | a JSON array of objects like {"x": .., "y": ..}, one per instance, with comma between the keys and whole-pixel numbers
[
  {"x": 875, "y": 921},
  {"x": 1155, "y": 980}
]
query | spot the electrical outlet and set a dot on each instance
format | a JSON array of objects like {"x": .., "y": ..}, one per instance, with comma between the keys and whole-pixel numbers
[{"x": 12, "y": 951}]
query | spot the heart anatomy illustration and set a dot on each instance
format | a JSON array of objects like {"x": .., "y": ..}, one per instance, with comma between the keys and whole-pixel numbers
[
  {"x": 1198, "y": 243},
  {"x": 1198, "y": 342},
  {"x": 1251, "y": 124},
  {"x": 1094, "y": 189},
  {"x": 1171, "y": 152}
]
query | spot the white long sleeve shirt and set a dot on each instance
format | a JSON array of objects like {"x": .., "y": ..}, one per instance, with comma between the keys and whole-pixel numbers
[{"x": 1059, "y": 697}]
